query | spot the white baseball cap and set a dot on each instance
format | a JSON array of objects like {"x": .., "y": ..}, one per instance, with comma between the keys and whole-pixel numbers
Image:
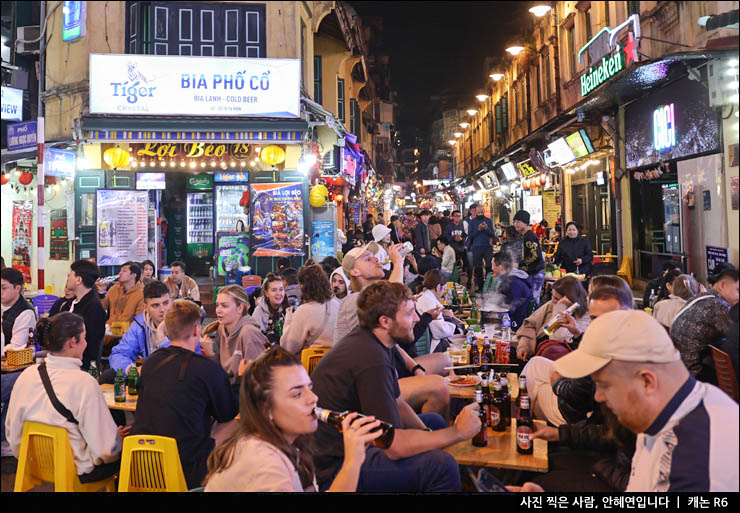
[
  {"x": 380, "y": 231},
  {"x": 625, "y": 335},
  {"x": 348, "y": 262}
]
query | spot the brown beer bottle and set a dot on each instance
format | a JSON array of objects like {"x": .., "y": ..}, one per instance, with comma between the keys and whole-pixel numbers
[
  {"x": 486, "y": 391},
  {"x": 524, "y": 427},
  {"x": 507, "y": 398},
  {"x": 485, "y": 356},
  {"x": 335, "y": 419},
  {"x": 522, "y": 392},
  {"x": 481, "y": 439},
  {"x": 474, "y": 353},
  {"x": 498, "y": 421}
]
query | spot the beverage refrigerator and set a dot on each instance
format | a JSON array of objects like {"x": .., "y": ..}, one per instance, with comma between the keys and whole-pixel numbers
[
  {"x": 199, "y": 231},
  {"x": 232, "y": 201}
]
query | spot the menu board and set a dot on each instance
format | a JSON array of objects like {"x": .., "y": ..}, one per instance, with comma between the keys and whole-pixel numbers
[
  {"x": 322, "y": 240},
  {"x": 533, "y": 205},
  {"x": 232, "y": 251},
  {"x": 58, "y": 238},
  {"x": 560, "y": 151},
  {"x": 550, "y": 207},
  {"x": 579, "y": 143},
  {"x": 122, "y": 226},
  {"x": 277, "y": 220},
  {"x": 22, "y": 233}
]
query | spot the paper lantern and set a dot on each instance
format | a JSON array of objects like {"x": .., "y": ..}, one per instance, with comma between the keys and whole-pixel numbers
[
  {"x": 272, "y": 155},
  {"x": 318, "y": 196},
  {"x": 3, "y": 179},
  {"x": 25, "y": 178},
  {"x": 116, "y": 157},
  {"x": 543, "y": 179}
]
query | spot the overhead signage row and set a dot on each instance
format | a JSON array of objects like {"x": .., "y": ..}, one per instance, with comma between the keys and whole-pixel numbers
[
  {"x": 194, "y": 86},
  {"x": 193, "y": 150}
]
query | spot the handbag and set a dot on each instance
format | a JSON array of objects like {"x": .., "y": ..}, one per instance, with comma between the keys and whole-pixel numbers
[{"x": 553, "y": 349}]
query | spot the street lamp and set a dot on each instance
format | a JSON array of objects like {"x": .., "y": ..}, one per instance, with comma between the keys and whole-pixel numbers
[
  {"x": 464, "y": 125},
  {"x": 452, "y": 142},
  {"x": 482, "y": 97},
  {"x": 458, "y": 134},
  {"x": 472, "y": 112},
  {"x": 540, "y": 10},
  {"x": 496, "y": 76},
  {"x": 515, "y": 50}
]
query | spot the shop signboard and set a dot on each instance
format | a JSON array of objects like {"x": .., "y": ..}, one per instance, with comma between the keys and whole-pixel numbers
[
  {"x": 12, "y": 104},
  {"x": 580, "y": 143},
  {"x": 606, "y": 56},
  {"x": 533, "y": 205},
  {"x": 526, "y": 169},
  {"x": 354, "y": 212},
  {"x": 61, "y": 163},
  {"x": 199, "y": 182},
  {"x": 322, "y": 240},
  {"x": 74, "y": 20},
  {"x": 673, "y": 122},
  {"x": 148, "y": 181},
  {"x": 231, "y": 177},
  {"x": 22, "y": 135},
  {"x": 122, "y": 229},
  {"x": 58, "y": 238},
  {"x": 194, "y": 86},
  {"x": 509, "y": 171},
  {"x": 716, "y": 256},
  {"x": 550, "y": 207},
  {"x": 560, "y": 152},
  {"x": 198, "y": 151},
  {"x": 22, "y": 233},
  {"x": 277, "y": 219},
  {"x": 349, "y": 165},
  {"x": 232, "y": 251}
]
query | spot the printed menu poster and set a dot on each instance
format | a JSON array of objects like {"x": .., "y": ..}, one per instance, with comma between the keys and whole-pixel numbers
[
  {"x": 59, "y": 246},
  {"x": 22, "y": 230},
  {"x": 354, "y": 212},
  {"x": 232, "y": 251},
  {"x": 322, "y": 240},
  {"x": 550, "y": 208},
  {"x": 277, "y": 221},
  {"x": 122, "y": 226}
]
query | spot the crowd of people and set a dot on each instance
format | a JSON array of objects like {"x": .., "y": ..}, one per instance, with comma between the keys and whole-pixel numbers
[{"x": 610, "y": 381}]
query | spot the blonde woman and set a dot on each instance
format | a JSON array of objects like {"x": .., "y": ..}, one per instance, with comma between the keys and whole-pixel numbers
[
  {"x": 239, "y": 339},
  {"x": 683, "y": 287}
]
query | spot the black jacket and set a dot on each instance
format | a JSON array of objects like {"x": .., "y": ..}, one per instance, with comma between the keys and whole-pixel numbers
[
  {"x": 92, "y": 312},
  {"x": 569, "y": 249},
  {"x": 575, "y": 398},
  {"x": 421, "y": 237},
  {"x": 532, "y": 261}
]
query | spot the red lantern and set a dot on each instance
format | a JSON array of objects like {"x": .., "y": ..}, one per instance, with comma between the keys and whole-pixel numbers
[
  {"x": 25, "y": 178},
  {"x": 4, "y": 179},
  {"x": 543, "y": 179}
]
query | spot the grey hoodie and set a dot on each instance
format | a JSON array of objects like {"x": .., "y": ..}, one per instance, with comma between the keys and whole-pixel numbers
[
  {"x": 246, "y": 341},
  {"x": 261, "y": 314}
]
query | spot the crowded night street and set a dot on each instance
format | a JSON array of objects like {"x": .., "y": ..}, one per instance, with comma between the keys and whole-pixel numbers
[{"x": 371, "y": 247}]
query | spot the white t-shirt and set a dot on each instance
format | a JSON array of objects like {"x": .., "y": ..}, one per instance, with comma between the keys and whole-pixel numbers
[
  {"x": 25, "y": 321},
  {"x": 439, "y": 328}
]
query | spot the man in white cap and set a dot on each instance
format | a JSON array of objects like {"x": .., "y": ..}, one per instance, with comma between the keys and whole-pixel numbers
[
  {"x": 382, "y": 237},
  {"x": 687, "y": 431}
]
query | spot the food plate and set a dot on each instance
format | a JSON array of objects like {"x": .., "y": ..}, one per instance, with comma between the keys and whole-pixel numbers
[{"x": 465, "y": 381}]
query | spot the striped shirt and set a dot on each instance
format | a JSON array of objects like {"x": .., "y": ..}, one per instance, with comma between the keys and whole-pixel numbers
[{"x": 692, "y": 446}]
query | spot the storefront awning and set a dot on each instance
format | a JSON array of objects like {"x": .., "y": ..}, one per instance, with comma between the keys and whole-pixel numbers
[{"x": 189, "y": 129}]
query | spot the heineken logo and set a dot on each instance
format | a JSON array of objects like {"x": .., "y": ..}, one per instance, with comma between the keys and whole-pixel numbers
[{"x": 609, "y": 67}]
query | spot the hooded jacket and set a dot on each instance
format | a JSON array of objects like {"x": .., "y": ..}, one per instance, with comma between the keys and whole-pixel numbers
[
  {"x": 261, "y": 314},
  {"x": 245, "y": 342},
  {"x": 514, "y": 286},
  {"x": 340, "y": 272}
]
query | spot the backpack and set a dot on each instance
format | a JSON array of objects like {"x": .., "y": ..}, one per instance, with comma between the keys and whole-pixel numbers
[{"x": 553, "y": 349}]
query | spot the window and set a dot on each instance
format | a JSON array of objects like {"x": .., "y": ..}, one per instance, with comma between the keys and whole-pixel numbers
[
  {"x": 505, "y": 111},
  {"x": 539, "y": 84},
  {"x": 354, "y": 117},
  {"x": 340, "y": 100},
  {"x": 516, "y": 104},
  {"x": 499, "y": 119},
  {"x": 546, "y": 73},
  {"x": 606, "y": 13},
  {"x": 572, "y": 50},
  {"x": 303, "y": 52},
  {"x": 317, "y": 78},
  {"x": 196, "y": 28},
  {"x": 587, "y": 16}
]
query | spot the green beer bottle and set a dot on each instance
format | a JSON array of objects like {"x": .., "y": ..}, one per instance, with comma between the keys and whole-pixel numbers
[
  {"x": 93, "y": 370},
  {"x": 119, "y": 387},
  {"x": 133, "y": 380}
]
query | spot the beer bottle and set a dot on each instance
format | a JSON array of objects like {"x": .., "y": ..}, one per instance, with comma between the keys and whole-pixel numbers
[
  {"x": 497, "y": 408},
  {"x": 486, "y": 391},
  {"x": 507, "y": 398},
  {"x": 474, "y": 313},
  {"x": 133, "y": 380},
  {"x": 558, "y": 320},
  {"x": 522, "y": 392},
  {"x": 119, "y": 387},
  {"x": 93, "y": 370},
  {"x": 474, "y": 353},
  {"x": 481, "y": 439},
  {"x": 335, "y": 419},
  {"x": 465, "y": 299},
  {"x": 524, "y": 427},
  {"x": 488, "y": 349},
  {"x": 455, "y": 299}
]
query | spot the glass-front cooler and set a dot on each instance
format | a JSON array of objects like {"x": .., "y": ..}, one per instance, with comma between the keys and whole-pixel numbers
[
  {"x": 200, "y": 228},
  {"x": 232, "y": 206}
]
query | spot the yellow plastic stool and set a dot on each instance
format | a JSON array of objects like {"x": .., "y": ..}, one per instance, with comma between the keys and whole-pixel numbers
[
  {"x": 151, "y": 463},
  {"x": 625, "y": 270},
  {"x": 310, "y": 357},
  {"x": 46, "y": 456},
  {"x": 49, "y": 289}
]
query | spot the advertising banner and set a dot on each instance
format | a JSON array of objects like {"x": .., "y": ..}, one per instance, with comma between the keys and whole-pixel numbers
[
  {"x": 354, "y": 212},
  {"x": 22, "y": 230},
  {"x": 322, "y": 240},
  {"x": 533, "y": 205},
  {"x": 194, "y": 86},
  {"x": 12, "y": 104},
  {"x": 715, "y": 256},
  {"x": 22, "y": 135},
  {"x": 122, "y": 226},
  {"x": 232, "y": 251},
  {"x": 58, "y": 237},
  {"x": 277, "y": 225},
  {"x": 60, "y": 163}
]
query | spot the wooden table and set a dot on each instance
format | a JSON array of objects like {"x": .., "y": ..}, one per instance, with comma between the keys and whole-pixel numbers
[
  {"x": 129, "y": 405},
  {"x": 501, "y": 452},
  {"x": 458, "y": 392}
]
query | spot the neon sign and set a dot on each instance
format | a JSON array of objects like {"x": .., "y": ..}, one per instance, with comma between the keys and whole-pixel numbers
[{"x": 664, "y": 127}]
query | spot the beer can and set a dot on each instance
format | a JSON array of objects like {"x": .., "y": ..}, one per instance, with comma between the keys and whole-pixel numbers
[{"x": 502, "y": 351}]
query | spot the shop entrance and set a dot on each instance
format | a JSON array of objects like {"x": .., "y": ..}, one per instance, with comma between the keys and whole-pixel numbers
[{"x": 591, "y": 208}]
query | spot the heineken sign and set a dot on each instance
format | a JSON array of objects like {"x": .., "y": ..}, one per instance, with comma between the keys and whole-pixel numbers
[{"x": 608, "y": 67}]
